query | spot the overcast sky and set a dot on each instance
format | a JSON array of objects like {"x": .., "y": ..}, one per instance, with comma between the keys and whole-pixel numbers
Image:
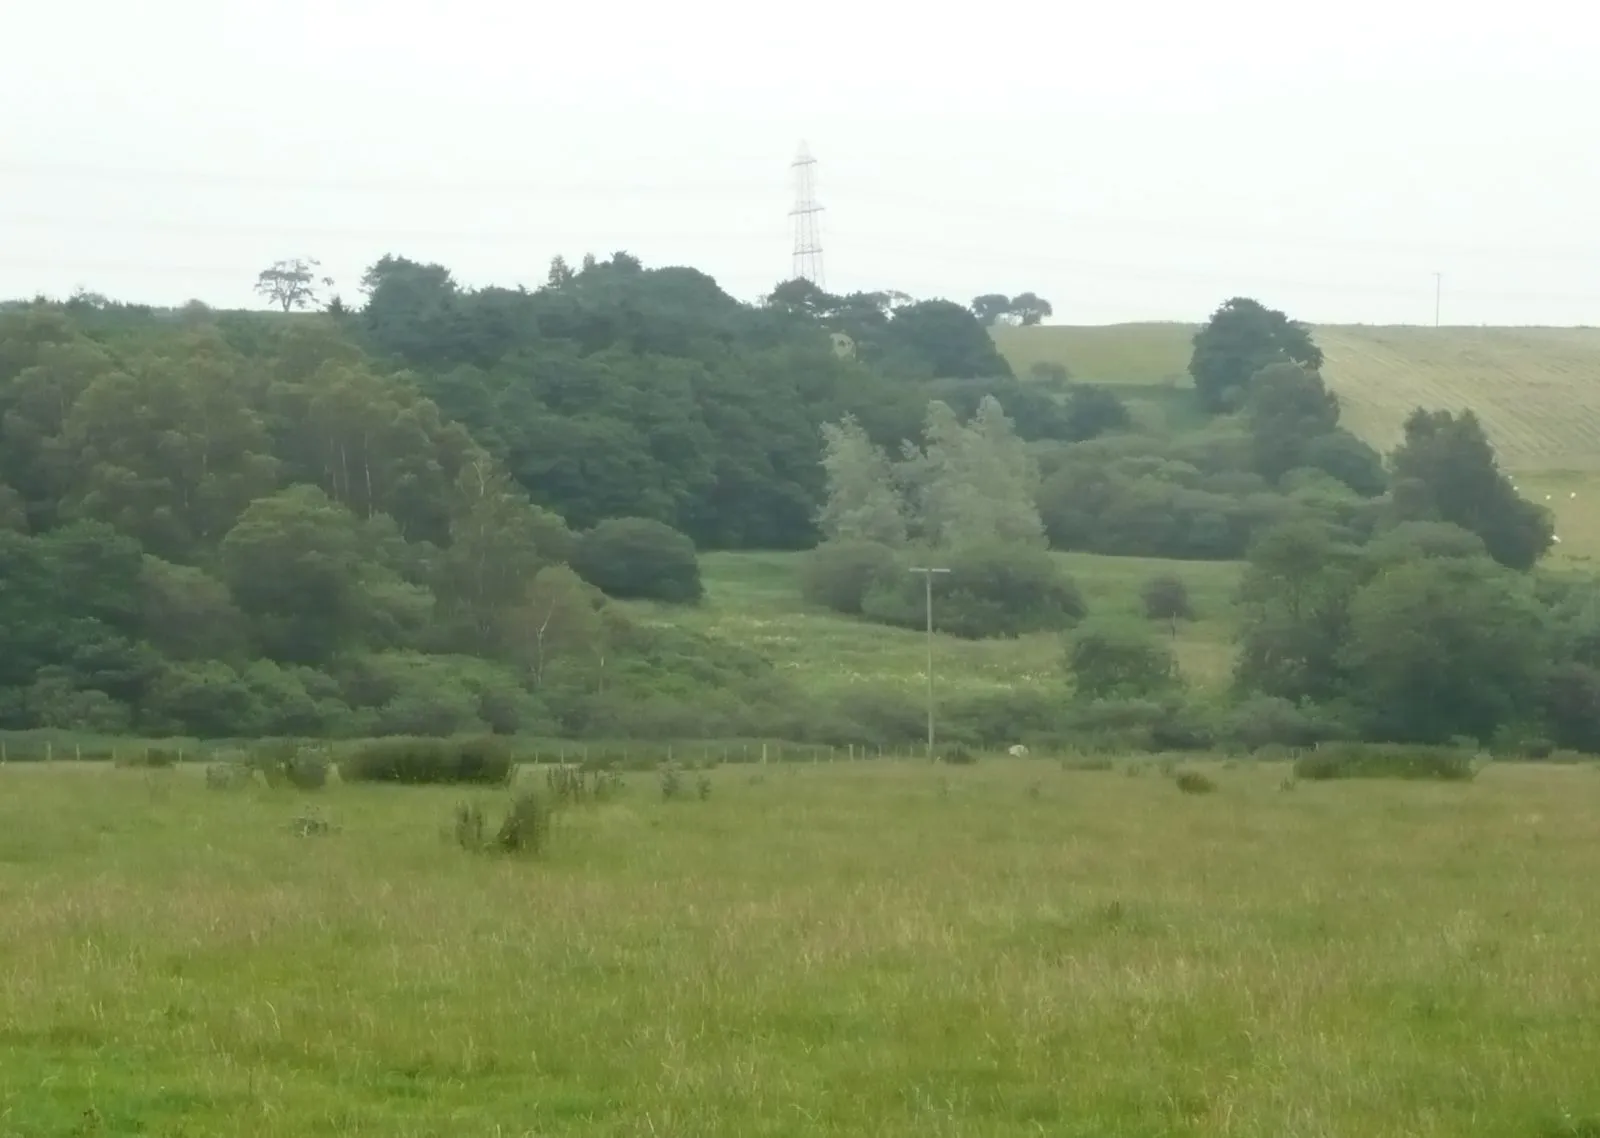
[{"x": 1133, "y": 161}]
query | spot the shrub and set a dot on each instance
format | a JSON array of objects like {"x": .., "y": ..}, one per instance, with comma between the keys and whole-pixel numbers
[
  {"x": 148, "y": 758},
  {"x": 987, "y": 593},
  {"x": 640, "y": 559},
  {"x": 1267, "y": 721},
  {"x": 1166, "y": 597},
  {"x": 956, "y": 756},
  {"x": 837, "y": 575},
  {"x": 527, "y": 824},
  {"x": 1385, "y": 760},
  {"x": 307, "y": 770},
  {"x": 471, "y": 827},
  {"x": 483, "y": 761},
  {"x": 671, "y": 782},
  {"x": 1193, "y": 782},
  {"x": 1118, "y": 662}
]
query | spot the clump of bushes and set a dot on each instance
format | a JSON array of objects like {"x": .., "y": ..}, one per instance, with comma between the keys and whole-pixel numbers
[
  {"x": 1166, "y": 597},
  {"x": 1385, "y": 760},
  {"x": 485, "y": 761},
  {"x": 287, "y": 764},
  {"x": 525, "y": 829},
  {"x": 570, "y": 785},
  {"x": 527, "y": 825},
  {"x": 956, "y": 756},
  {"x": 1193, "y": 782}
]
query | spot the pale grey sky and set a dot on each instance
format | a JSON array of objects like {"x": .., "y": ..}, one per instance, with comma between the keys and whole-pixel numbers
[{"x": 1140, "y": 161}]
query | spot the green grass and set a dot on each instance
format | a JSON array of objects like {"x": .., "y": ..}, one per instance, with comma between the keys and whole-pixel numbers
[
  {"x": 753, "y": 599},
  {"x": 886, "y": 949}
]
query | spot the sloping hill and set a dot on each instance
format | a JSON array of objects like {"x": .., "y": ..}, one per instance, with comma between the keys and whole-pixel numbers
[{"x": 1537, "y": 391}]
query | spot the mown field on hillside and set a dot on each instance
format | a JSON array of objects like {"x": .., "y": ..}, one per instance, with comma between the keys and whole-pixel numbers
[
  {"x": 883, "y": 948},
  {"x": 754, "y": 599},
  {"x": 1537, "y": 391}
]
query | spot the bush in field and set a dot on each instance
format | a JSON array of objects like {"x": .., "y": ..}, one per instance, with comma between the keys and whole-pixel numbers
[
  {"x": 991, "y": 592},
  {"x": 484, "y": 761},
  {"x": 1383, "y": 760},
  {"x": 838, "y": 575},
  {"x": 1193, "y": 782},
  {"x": 1166, "y": 597},
  {"x": 527, "y": 824},
  {"x": 640, "y": 559}
]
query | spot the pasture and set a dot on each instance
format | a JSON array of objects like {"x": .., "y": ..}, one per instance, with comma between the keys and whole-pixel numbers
[
  {"x": 885, "y": 948},
  {"x": 753, "y": 599}
]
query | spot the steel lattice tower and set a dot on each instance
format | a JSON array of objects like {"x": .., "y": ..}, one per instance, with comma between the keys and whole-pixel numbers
[{"x": 807, "y": 215}]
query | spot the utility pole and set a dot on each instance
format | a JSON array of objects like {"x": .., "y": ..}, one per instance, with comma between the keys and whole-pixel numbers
[
  {"x": 1438, "y": 289},
  {"x": 927, "y": 578}
]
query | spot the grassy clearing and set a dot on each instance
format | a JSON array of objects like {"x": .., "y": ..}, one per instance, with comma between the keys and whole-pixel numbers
[
  {"x": 754, "y": 599},
  {"x": 883, "y": 948}
]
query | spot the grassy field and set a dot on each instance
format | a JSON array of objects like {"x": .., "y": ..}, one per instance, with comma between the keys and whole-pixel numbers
[
  {"x": 754, "y": 599},
  {"x": 885, "y": 949},
  {"x": 1537, "y": 391}
]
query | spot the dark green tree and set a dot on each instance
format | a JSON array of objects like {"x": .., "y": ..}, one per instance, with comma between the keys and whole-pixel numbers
[
  {"x": 1241, "y": 338},
  {"x": 639, "y": 558},
  {"x": 1445, "y": 470}
]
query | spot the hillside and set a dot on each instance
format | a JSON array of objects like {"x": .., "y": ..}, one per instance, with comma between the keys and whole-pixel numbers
[
  {"x": 1537, "y": 391},
  {"x": 752, "y": 599}
]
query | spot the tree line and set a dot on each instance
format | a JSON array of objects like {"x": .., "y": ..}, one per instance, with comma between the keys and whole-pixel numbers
[{"x": 417, "y": 515}]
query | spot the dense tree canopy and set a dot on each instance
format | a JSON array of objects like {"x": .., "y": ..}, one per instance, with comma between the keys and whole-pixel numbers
[{"x": 430, "y": 513}]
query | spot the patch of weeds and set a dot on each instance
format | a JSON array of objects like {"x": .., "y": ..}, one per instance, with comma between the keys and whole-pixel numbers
[
  {"x": 702, "y": 787},
  {"x": 671, "y": 782},
  {"x": 1289, "y": 783},
  {"x": 287, "y": 764},
  {"x": 471, "y": 827},
  {"x": 957, "y": 756},
  {"x": 1193, "y": 782},
  {"x": 527, "y": 825},
  {"x": 1386, "y": 760},
  {"x": 312, "y": 825},
  {"x": 1033, "y": 791}
]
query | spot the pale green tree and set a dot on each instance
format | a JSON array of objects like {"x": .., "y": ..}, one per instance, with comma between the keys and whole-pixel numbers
[
  {"x": 863, "y": 502},
  {"x": 974, "y": 484}
]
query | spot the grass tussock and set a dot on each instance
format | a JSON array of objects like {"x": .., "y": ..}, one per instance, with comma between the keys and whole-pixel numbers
[{"x": 1193, "y": 782}]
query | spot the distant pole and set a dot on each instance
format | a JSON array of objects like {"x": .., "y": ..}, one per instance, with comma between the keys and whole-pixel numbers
[
  {"x": 927, "y": 580},
  {"x": 1438, "y": 290}
]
